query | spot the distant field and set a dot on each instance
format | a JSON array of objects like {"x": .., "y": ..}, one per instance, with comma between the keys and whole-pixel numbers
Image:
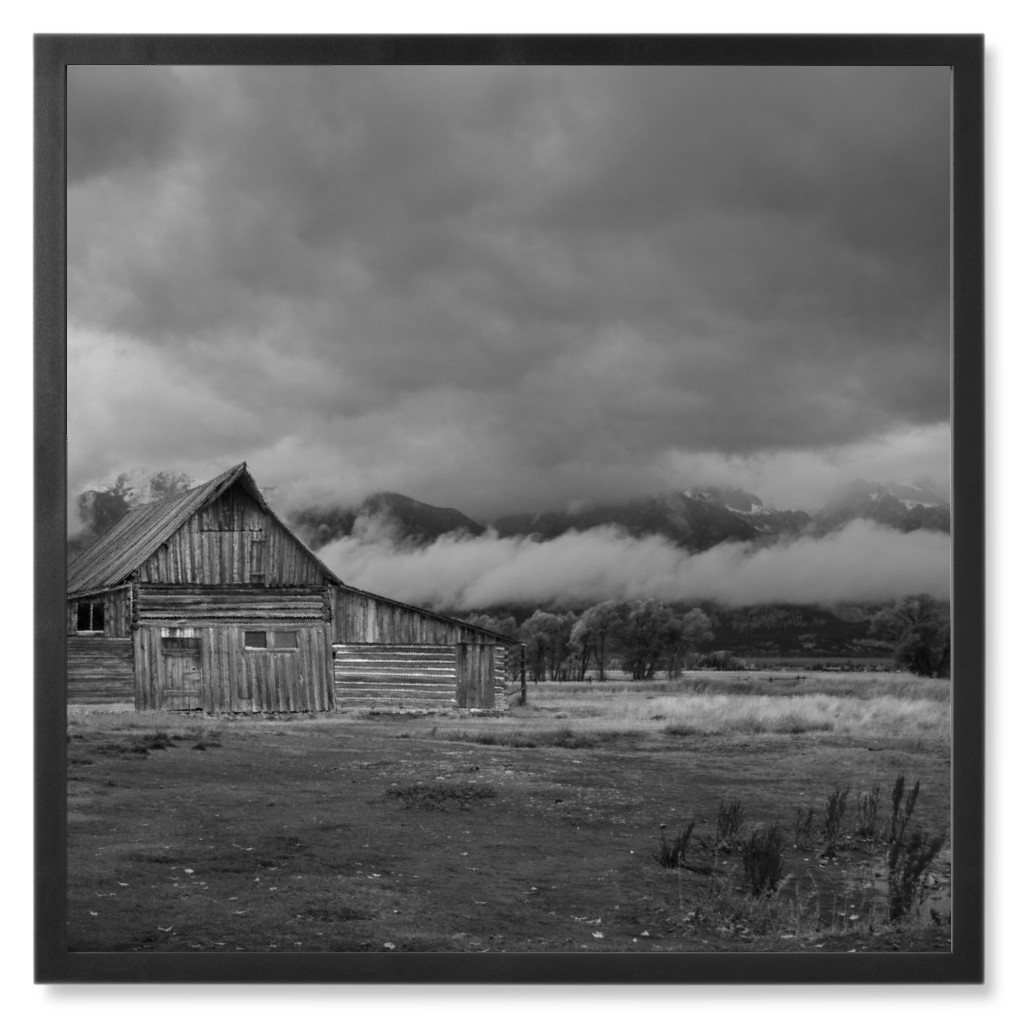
[{"x": 532, "y": 831}]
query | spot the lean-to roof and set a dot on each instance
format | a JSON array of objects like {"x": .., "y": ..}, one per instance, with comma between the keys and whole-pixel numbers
[{"x": 447, "y": 619}]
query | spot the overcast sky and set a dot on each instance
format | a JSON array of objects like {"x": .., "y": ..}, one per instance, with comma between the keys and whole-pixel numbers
[{"x": 509, "y": 288}]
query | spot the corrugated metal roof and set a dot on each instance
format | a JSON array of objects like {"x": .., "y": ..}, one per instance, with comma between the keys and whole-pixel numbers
[{"x": 137, "y": 534}]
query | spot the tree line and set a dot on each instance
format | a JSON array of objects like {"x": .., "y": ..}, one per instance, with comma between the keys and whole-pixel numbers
[{"x": 645, "y": 636}]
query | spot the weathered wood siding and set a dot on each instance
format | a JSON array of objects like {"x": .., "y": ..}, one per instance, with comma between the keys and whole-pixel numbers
[
  {"x": 100, "y": 670},
  {"x": 232, "y": 677},
  {"x": 117, "y": 612},
  {"x": 185, "y": 604},
  {"x": 474, "y": 675},
  {"x": 394, "y": 676},
  {"x": 369, "y": 619},
  {"x": 232, "y": 541}
]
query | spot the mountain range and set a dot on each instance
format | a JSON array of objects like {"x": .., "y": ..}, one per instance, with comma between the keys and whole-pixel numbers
[{"x": 695, "y": 519}]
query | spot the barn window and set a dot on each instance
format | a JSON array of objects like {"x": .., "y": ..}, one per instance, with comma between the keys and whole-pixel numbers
[
  {"x": 90, "y": 616},
  {"x": 279, "y": 640}
]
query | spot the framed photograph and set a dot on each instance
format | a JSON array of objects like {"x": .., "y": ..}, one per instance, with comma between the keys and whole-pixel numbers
[{"x": 509, "y": 509}]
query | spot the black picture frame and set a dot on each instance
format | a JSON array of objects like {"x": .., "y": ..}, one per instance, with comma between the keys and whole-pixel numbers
[{"x": 964, "y": 54}]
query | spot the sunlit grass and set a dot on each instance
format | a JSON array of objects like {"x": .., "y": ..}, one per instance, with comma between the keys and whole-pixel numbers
[{"x": 855, "y": 704}]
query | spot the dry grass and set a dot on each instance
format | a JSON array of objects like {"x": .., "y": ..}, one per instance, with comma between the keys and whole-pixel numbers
[
  {"x": 883, "y": 705},
  {"x": 886, "y": 706}
]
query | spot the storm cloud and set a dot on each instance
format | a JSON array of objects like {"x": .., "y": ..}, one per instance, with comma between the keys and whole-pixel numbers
[{"x": 509, "y": 288}]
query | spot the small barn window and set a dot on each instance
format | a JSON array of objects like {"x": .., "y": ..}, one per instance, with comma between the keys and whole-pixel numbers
[
  {"x": 279, "y": 640},
  {"x": 90, "y": 616}
]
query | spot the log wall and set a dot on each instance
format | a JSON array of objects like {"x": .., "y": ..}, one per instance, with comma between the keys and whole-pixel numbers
[
  {"x": 427, "y": 676},
  {"x": 100, "y": 670},
  {"x": 185, "y": 604},
  {"x": 394, "y": 676}
]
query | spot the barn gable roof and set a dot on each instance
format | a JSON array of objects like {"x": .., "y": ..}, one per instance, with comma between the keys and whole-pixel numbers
[{"x": 140, "y": 531}]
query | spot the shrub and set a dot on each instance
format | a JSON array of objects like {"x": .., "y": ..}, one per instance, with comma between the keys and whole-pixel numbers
[
  {"x": 835, "y": 807},
  {"x": 674, "y": 855},
  {"x": 762, "y": 859},
  {"x": 730, "y": 818},
  {"x": 907, "y": 863}
]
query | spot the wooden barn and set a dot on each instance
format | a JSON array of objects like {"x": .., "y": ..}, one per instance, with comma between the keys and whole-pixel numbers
[{"x": 207, "y": 601}]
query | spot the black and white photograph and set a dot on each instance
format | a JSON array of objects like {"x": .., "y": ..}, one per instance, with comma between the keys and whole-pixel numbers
[{"x": 509, "y": 510}]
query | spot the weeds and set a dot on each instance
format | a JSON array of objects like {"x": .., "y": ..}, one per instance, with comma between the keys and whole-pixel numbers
[
  {"x": 730, "y": 818},
  {"x": 719, "y": 909},
  {"x": 674, "y": 855},
  {"x": 907, "y": 863},
  {"x": 762, "y": 859},
  {"x": 835, "y": 808},
  {"x": 867, "y": 814},
  {"x": 803, "y": 828},
  {"x": 900, "y": 816}
]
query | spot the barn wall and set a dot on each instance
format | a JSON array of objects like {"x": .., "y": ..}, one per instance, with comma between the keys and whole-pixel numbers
[
  {"x": 474, "y": 675},
  {"x": 438, "y": 676},
  {"x": 232, "y": 541},
  {"x": 369, "y": 619},
  {"x": 394, "y": 676},
  {"x": 183, "y": 604},
  {"x": 117, "y": 612},
  {"x": 234, "y": 678},
  {"x": 99, "y": 670}
]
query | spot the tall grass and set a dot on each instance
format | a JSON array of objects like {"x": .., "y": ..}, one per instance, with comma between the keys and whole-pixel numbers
[
  {"x": 716, "y": 714},
  {"x": 887, "y": 705}
]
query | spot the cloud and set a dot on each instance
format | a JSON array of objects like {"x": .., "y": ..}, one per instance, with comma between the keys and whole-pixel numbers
[
  {"x": 504, "y": 286},
  {"x": 861, "y": 562}
]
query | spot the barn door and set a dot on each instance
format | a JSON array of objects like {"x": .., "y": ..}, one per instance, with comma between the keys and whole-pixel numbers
[
  {"x": 182, "y": 674},
  {"x": 474, "y": 675}
]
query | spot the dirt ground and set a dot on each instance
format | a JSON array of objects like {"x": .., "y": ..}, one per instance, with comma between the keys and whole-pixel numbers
[{"x": 401, "y": 832}]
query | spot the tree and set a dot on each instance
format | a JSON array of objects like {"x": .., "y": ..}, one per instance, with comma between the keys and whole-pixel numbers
[
  {"x": 546, "y": 635},
  {"x": 686, "y": 634},
  {"x": 917, "y": 627},
  {"x": 168, "y": 484},
  {"x": 589, "y": 637},
  {"x": 643, "y": 630}
]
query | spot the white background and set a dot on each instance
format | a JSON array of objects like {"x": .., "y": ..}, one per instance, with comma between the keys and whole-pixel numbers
[{"x": 1005, "y": 497}]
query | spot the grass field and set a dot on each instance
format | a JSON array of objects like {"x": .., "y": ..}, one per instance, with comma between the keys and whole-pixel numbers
[{"x": 538, "y": 830}]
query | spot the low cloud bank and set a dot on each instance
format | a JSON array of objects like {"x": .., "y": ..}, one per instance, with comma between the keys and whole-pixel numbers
[{"x": 861, "y": 562}]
